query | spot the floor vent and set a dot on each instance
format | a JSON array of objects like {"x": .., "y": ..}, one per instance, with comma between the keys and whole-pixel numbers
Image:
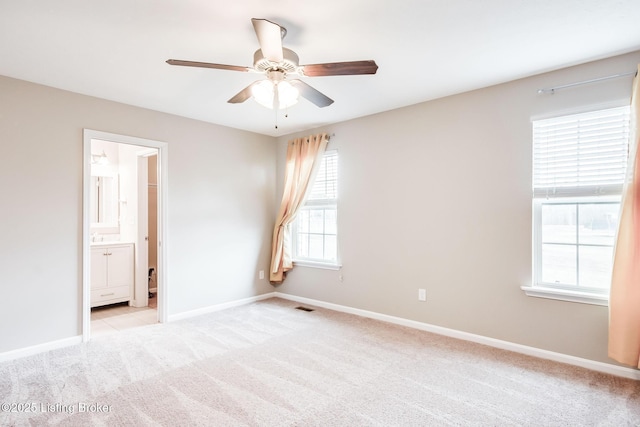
[{"x": 304, "y": 308}]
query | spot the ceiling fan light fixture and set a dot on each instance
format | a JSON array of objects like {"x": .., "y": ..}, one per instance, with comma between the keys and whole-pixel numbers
[
  {"x": 272, "y": 95},
  {"x": 263, "y": 93},
  {"x": 276, "y": 62},
  {"x": 287, "y": 94}
]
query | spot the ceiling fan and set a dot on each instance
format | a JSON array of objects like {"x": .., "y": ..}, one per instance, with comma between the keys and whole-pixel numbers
[{"x": 277, "y": 63}]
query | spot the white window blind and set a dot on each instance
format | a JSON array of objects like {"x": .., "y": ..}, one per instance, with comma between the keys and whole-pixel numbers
[
  {"x": 581, "y": 154},
  {"x": 325, "y": 186}
]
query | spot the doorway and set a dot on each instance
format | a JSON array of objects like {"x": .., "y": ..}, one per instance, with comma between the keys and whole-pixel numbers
[{"x": 124, "y": 216}]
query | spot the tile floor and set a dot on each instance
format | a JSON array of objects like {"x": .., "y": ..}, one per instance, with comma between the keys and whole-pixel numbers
[{"x": 116, "y": 317}]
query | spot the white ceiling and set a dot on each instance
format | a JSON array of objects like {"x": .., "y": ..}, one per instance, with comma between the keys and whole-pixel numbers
[{"x": 425, "y": 49}]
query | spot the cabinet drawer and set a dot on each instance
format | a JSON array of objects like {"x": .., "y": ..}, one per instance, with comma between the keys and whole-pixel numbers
[{"x": 106, "y": 294}]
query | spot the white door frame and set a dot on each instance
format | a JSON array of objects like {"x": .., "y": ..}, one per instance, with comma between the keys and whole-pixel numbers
[{"x": 163, "y": 187}]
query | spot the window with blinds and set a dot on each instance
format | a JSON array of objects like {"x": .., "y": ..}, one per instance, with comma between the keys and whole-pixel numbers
[
  {"x": 581, "y": 154},
  {"x": 325, "y": 186},
  {"x": 316, "y": 227},
  {"x": 579, "y": 167}
]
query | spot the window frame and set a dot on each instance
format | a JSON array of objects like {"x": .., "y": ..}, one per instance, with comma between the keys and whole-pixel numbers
[
  {"x": 318, "y": 204},
  {"x": 575, "y": 196},
  {"x": 575, "y": 293}
]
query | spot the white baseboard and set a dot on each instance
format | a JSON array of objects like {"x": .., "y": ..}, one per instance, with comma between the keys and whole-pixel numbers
[
  {"x": 466, "y": 336},
  {"x": 40, "y": 348},
  {"x": 480, "y": 339},
  {"x": 218, "y": 307}
]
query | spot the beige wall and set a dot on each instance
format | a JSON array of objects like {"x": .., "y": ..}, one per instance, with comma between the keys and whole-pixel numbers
[
  {"x": 221, "y": 204},
  {"x": 435, "y": 196},
  {"x": 438, "y": 196}
]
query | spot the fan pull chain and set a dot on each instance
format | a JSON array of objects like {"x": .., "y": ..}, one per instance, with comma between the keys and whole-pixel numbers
[{"x": 286, "y": 114}]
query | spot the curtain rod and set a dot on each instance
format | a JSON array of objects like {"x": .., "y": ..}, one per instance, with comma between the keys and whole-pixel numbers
[{"x": 553, "y": 90}]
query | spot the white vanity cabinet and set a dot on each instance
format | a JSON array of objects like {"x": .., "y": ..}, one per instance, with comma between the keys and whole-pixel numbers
[{"x": 112, "y": 273}]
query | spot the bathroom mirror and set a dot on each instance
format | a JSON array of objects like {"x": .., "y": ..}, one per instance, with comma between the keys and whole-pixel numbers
[{"x": 104, "y": 204}]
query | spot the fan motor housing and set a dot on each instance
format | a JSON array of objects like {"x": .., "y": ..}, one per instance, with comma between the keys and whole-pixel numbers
[{"x": 289, "y": 62}]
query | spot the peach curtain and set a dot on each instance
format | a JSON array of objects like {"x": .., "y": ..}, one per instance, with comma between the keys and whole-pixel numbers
[
  {"x": 302, "y": 156},
  {"x": 624, "y": 299}
]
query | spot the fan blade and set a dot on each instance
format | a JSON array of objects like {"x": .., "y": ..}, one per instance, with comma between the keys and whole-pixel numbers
[
  {"x": 313, "y": 95},
  {"x": 243, "y": 95},
  {"x": 340, "y": 68},
  {"x": 270, "y": 39},
  {"x": 207, "y": 65}
]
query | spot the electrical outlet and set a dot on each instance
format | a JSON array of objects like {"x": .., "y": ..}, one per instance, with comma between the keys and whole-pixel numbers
[
  {"x": 422, "y": 294},
  {"x": 261, "y": 274}
]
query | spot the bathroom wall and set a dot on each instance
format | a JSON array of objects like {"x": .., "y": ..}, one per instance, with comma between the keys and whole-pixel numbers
[{"x": 152, "y": 198}]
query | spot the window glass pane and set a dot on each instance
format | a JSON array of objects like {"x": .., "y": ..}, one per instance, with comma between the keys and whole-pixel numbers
[
  {"x": 303, "y": 221},
  {"x": 316, "y": 220},
  {"x": 598, "y": 223},
  {"x": 330, "y": 221},
  {"x": 559, "y": 264},
  {"x": 316, "y": 246},
  {"x": 596, "y": 264},
  {"x": 302, "y": 245},
  {"x": 559, "y": 223},
  {"x": 330, "y": 248}
]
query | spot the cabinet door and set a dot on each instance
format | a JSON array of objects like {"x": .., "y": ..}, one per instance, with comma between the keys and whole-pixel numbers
[
  {"x": 98, "y": 268},
  {"x": 120, "y": 266}
]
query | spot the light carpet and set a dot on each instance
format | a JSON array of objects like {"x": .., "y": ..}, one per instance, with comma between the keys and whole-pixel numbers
[{"x": 268, "y": 364}]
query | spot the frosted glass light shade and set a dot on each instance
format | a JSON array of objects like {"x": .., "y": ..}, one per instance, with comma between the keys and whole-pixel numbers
[
  {"x": 264, "y": 93},
  {"x": 287, "y": 94}
]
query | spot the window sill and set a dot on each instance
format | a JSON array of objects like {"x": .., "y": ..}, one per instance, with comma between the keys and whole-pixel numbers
[
  {"x": 315, "y": 264},
  {"x": 566, "y": 295}
]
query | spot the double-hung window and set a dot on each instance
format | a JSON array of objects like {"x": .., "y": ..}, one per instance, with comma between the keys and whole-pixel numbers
[
  {"x": 315, "y": 230},
  {"x": 579, "y": 164}
]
